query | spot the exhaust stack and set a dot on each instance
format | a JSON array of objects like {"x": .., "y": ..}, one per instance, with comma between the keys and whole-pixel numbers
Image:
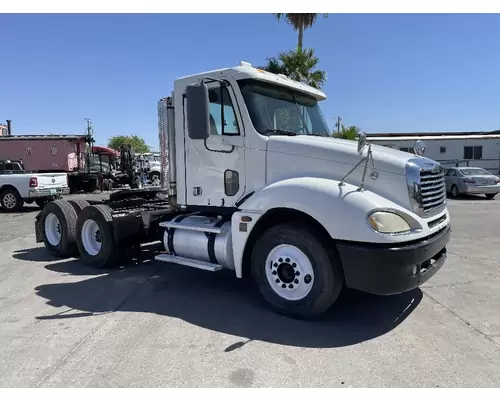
[{"x": 166, "y": 129}]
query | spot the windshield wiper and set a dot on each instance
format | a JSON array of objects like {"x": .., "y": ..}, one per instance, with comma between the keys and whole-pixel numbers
[{"x": 280, "y": 132}]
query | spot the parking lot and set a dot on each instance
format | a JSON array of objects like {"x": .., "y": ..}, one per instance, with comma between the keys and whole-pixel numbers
[{"x": 63, "y": 324}]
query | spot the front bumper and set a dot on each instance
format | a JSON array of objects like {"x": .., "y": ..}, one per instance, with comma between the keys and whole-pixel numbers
[
  {"x": 37, "y": 193},
  {"x": 483, "y": 189},
  {"x": 384, "y": 270}
]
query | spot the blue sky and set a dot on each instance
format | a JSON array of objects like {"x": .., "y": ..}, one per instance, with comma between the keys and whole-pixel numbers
[{"x": 386, "y": 73}]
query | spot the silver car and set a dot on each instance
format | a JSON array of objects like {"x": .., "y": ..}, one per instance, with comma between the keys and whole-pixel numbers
[{"x": 471, "y": 180}]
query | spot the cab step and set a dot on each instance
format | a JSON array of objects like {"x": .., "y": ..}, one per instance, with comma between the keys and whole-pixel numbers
[{"x": 189, "y": 262}]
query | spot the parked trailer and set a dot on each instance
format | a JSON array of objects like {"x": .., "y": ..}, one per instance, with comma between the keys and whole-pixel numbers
[
  {"x": 53, "y": 153},
  {"x": 272, "y": 198}
]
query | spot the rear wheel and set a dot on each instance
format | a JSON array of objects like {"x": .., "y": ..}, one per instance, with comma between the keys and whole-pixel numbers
[
  {"x": 490, "y": 196},
  {"x": 78, "y": 205},
  {"x": 95, "y": 237},
  {"x": 454, "y": 191},
  {"x": 11, "y": 200},
  {"x": 58, "y": 222},
  {"x": 296, "y": 274}
]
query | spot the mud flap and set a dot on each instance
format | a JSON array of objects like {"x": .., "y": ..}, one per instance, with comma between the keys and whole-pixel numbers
[{"x": 38, "y": 228}]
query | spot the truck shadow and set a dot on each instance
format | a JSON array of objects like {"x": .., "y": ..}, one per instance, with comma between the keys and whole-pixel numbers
[{"x": 220, "y": 302}]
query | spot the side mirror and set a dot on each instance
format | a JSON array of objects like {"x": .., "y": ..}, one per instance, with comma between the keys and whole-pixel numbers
[{"x": 198, "y": 115}]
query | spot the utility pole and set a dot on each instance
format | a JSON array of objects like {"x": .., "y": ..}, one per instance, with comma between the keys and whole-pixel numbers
[
  {"x": 89, "y": 126},
  {"x": 338, "y": 126}
]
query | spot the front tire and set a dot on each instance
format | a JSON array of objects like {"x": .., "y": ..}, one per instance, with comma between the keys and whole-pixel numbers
[
  {"x": 296, "y": 273},
  {"x": 95, "y": 237},
  {"x": 155, "y": 178}
]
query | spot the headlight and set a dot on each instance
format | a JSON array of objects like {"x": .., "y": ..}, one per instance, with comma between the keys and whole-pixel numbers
[{"x": 388, "y": 222}]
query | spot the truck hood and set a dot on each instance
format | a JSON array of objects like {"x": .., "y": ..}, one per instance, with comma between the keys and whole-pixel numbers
[
  {"x": 340, "y": 151},
  {"x": 313, "y": 156}
]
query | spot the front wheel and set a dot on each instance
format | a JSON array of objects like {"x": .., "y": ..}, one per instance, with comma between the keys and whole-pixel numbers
[
  {"x": 296, "y": 273},
  {"x": 155, "y": 178}
]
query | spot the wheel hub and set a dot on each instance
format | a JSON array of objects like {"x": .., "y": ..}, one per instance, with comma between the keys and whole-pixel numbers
[
  {"x": 289, "y": 273},
  {"x": 286, "y": 273}
]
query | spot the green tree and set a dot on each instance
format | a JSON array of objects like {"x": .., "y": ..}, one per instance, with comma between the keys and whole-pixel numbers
[
  {"x": 298, "y": 65},
  {"x": 135, "y": 142},
  {"x": 300, "y": 23},
  {"x": 349, "y": 133}
]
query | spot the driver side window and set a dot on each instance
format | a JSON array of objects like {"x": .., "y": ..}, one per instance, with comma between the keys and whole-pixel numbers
[{"x": 217, "y": 103}]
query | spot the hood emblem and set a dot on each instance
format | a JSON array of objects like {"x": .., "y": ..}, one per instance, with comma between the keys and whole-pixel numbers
[{"x": 53, "y": 180}]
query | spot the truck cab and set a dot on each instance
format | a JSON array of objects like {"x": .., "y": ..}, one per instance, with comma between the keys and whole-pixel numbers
[{"x": 254, "y": 146}]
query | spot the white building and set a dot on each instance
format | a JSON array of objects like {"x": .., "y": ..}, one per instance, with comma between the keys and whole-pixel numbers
[{"x": 476, "y": 149}]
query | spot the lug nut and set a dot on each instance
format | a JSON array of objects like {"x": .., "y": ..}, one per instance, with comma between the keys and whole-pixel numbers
[
  {"x": 294, "y": 265},
  {"x": 296, "y": 281},
  {"x": 277, "y": 281},
  {"x": 275, "y": 265},
  {"x": 283, "y": 286},
  {"x": 274, "y": 272},
  {"x": 287, "y": 260},
  {"x": 297, "y": 273},
  {"x": 280, "y": 260},
  {"x": 290, "y": 286}
]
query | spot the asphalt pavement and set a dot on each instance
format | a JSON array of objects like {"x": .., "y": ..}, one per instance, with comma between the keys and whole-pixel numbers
[{"x": 151, "y": 324}]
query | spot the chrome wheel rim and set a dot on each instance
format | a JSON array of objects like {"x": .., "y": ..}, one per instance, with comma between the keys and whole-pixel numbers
[{"x": 9, "y": 201}]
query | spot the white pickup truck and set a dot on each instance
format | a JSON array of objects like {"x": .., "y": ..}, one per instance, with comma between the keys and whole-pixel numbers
[{"x": 18, "y": 186}]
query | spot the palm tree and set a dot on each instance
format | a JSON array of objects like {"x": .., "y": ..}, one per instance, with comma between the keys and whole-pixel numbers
[
  {"x": 350, "y": 133},
  {"x": 298, "y": 65},
  {"x": 300, "y": 23}
]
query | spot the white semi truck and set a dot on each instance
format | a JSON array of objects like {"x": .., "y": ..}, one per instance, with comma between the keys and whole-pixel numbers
[{"x": 256, "y": 184}]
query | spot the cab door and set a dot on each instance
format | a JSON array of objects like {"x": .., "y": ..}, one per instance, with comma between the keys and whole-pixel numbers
[{"x": 215, "y": 174}]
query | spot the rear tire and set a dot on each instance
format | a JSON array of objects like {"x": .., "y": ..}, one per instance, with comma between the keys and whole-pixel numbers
[
  {"x": 454, "y": 192},
  {"x": 95, "y": 237},
  {"x": 78, "y": 205},
  {"x": 490, "y": 196},
  {"x": 11, "y": 200},
  {"x": 58, "y": 221},
  {"x": 296, "y": 273}
]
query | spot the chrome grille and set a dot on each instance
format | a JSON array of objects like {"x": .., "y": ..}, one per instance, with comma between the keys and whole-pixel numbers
[
  {"x": 426, "y": 186},
  {"x": 432, "y": 188}
]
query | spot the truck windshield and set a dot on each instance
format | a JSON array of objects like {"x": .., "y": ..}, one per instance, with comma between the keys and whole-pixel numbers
[{"x": 276, "y": 110}]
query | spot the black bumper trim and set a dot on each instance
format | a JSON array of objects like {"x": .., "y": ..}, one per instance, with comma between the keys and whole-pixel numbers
[{"x": 390, "y": 270}]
